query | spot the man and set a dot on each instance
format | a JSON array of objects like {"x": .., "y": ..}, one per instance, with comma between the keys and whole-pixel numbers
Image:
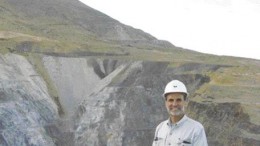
[{"x": 178, "y": 130}]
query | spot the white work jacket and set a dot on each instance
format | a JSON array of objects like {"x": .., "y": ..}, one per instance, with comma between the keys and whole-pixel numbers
[{"x": 186, "y": 132}]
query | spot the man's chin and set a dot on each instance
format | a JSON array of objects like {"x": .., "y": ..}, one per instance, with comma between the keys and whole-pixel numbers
[{"x": 176, "y": 113}]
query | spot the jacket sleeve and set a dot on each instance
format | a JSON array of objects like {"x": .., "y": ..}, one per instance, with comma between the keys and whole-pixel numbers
[
  {"x": 200, "y": 138},
  {"x": 153, "y": 143},
  {"x": 156, "y": 134}
]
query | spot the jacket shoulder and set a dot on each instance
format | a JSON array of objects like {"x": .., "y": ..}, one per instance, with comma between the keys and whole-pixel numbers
[{"x": 162, "y": 123}]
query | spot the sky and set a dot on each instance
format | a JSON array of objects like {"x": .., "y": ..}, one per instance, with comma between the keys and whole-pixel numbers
[{"x": 220, "y": 27}]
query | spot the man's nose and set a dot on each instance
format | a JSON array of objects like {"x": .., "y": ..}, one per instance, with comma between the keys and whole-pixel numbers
[{"x": 174, "y": 102}]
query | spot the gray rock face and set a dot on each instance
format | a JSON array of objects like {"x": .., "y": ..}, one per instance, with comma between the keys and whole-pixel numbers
[
  {"x": 233, "y": 120},
  {"x": 73, "y": 78},
  {"x": 107, "y": 102},
  {"x": 25, "y": 105},
  {"x": 77, "y": 78}
]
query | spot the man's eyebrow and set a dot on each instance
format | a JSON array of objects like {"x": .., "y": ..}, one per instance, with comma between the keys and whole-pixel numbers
[{"x": 178, "y": 98}]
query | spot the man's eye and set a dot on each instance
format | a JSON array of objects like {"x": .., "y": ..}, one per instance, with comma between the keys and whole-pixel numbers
[{"x": 178, "y": 100}]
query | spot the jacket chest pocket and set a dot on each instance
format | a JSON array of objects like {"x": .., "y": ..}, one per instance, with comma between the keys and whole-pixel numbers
[
  {"x": 158, "y": 141},
  {"x": 174, "y": 141}
]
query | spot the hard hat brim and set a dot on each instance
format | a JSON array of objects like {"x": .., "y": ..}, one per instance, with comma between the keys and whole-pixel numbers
[{"x": 185, "y": 94}]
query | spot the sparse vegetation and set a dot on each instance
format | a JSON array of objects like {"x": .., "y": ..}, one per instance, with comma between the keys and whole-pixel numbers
[{"x": 36, "y": 61}]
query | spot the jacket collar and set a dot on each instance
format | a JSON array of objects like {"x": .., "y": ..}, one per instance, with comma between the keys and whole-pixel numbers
[{"x": 183, "y": 119}]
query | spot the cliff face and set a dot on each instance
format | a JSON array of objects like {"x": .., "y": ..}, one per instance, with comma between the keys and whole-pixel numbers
[
  {"x": 25, "y": 107},
  {"x": 109, "y": 102},
  {"x": 229, "y": 120},
  {"x": 70, "y": 75}
]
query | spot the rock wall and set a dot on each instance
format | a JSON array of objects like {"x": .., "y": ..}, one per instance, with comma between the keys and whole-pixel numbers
[
  {"x": 225, "y": 123},
  {"x": 77, "y": 78},
  {"x": 107, "y": 102},
  {"x": 25, "y": 105}
]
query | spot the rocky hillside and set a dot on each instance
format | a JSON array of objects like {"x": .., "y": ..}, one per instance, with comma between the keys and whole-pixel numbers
[{"x": 70, "y": 75}]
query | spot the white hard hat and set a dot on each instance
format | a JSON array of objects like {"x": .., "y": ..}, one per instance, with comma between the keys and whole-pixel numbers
[{"x": 175, "y": 86}]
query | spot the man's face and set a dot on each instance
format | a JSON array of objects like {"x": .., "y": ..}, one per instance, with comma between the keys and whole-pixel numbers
[{"x": 175, "y": 104}]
